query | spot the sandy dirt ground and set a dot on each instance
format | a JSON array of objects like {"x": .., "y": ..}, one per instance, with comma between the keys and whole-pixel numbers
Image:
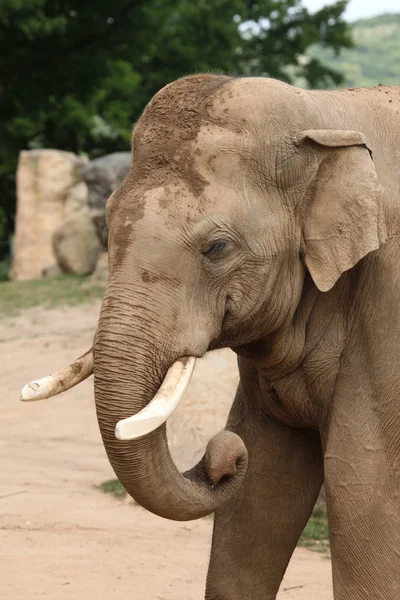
[{"x": 60, "y": 537}]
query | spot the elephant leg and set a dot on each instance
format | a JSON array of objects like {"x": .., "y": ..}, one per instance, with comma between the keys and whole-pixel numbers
[
  {"x": 255, "y": 533},
  {"x": 362, "y": 483}
]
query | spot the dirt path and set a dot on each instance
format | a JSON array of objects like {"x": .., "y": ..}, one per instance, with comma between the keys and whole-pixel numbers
[{"x": 63, "y": 539}]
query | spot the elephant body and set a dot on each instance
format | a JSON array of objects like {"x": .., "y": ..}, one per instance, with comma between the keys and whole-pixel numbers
[{"x": 264, "y": 218}]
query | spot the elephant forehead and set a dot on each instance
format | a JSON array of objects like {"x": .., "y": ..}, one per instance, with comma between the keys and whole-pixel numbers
[
  {"x": 163, "y": 140},
  {"x": 264, "y": 107},
  {"x": 178, "y": 109}
]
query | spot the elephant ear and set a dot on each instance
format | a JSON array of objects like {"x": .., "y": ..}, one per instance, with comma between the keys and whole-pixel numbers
[{"x": 344, "y": 218}]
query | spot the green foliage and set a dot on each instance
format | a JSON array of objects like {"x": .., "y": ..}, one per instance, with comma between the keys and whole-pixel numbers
[
  {"x": 284, "y": 36},
  {"x": 114, "y": 487},
  {"x": 76, "y": 75},
  {"x": 316, "y": 532},
  {"x": 65, "y": 290},
  {"x": 374, "y": 59}
]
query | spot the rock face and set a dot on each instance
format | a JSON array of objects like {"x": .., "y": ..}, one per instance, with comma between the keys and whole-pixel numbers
[
  {"x": 76, "y": 245},
  {"x": 61, "y": 211},
  {"x": 103, "y": 176},
  {"x": 46, "y": 179}
]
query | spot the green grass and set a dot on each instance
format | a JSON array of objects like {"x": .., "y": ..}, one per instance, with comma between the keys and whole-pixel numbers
[
  {"x": 114, "y": 487},
  {"x": 316, "y": 533},
  {"x": 65, "y": 290}
]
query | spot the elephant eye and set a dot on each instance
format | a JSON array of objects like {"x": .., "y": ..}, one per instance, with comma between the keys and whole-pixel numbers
[{"x": 216, "y": 248}]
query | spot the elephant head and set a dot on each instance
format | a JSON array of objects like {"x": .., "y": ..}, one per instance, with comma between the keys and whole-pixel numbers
[{"x": 233, "y": 195}]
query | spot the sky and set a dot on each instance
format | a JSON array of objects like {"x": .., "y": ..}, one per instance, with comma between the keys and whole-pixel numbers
[{"x": 359, "y": 9}]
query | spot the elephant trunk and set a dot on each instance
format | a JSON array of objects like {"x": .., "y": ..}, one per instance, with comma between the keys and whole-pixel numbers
[{"x": 128, "y": 370}]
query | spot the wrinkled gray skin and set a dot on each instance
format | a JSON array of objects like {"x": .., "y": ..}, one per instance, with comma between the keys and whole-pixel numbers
[{"x": 256, "y": 218}]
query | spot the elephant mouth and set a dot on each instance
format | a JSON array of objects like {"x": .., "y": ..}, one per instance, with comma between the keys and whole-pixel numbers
[
  {"x": 152, "y": 416},
  {"x": 162, "y": 406}
]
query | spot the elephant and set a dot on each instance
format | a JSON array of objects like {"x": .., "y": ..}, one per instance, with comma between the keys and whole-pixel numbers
[{"x": 264, "y": 218}]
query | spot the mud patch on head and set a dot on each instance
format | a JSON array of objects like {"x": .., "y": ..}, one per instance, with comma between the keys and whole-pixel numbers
[
  {"x": 163, "y": 150},
  {"x": 149, "y": 277},
  {"x": 128, "y": 210},
  {"x": 121, "y": 245}
]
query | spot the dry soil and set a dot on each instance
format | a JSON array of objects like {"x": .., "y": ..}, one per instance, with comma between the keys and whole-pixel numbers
[{"x": 61, "y": 538}]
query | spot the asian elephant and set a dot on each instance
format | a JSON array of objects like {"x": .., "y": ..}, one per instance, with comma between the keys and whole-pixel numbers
[{"x": 263, "y": 218}]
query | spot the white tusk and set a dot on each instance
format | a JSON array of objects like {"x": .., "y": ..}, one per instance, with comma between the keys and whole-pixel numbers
[
  {"x": 163, "y": 404},
  {"x": 58, "y": 382}
]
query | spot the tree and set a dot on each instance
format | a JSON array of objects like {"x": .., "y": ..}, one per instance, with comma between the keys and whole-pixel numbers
[
  {"x": 76, "y": 75},
  {"x": 376, "y": 56}
]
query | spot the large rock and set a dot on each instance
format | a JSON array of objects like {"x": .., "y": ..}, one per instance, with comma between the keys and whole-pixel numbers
[
  {"x": 61, "y": 203},
  {"x": 76, "y": 245},
  {"x": 103, "y": 176},
  {"x": 46, "y": 182}
]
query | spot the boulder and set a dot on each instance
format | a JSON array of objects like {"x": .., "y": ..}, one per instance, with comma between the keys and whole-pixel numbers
[
  {"x": 76, "y": 245},
  {"x": 52, "y": 271},
  {"x": 46, "y": 179},
  {"x": 103, "y": 176},
  {"x": 61, "y": 203}
]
